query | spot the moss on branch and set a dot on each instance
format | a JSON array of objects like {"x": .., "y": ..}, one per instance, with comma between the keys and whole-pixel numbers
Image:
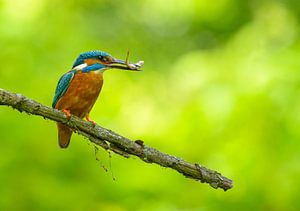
[{"x": 112, "y": 141}]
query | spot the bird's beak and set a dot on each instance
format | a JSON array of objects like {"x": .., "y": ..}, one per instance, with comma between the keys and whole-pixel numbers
[{"x": 125, "y": 65}]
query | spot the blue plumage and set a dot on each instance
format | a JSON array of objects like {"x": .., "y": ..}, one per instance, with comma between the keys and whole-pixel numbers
[
  {"x": 92, "y": 67},
  {"x": 78, "y": 89},
  {"x": 90, "y": 54},
  {"x": 66, "y": 79},
  {"x": 62, "y": 86}
]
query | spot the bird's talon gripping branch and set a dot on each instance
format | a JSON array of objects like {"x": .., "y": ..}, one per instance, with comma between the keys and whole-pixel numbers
[
  {"x": 87, "y": 117},
  {"x": 67, "y": 113},
  {"x": 97, "y": 135},
  {"x": 78, "y": 89}
]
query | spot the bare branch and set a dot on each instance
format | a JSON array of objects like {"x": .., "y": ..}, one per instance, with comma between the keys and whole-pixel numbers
[{"x": 110, "y": 140}]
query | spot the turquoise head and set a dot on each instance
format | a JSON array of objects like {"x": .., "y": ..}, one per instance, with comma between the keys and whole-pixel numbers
[{"x": 100, "y": 61}]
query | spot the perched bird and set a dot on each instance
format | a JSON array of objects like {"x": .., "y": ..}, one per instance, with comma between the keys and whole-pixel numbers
[{"x": 78, "y": 89}]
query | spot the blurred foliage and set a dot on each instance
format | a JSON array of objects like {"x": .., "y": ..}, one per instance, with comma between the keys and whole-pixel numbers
[{"x": 220, "y": 86}]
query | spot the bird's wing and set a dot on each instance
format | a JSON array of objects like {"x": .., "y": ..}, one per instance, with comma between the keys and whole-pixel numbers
[{"x": 62, "y": 86}]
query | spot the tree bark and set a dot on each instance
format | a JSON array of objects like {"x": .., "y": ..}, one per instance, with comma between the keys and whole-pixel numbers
[{"x": 112, "y": 141}]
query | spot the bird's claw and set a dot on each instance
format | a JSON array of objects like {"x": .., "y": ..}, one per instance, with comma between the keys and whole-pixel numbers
[
  {"x": 89, "y": 120},
  {"x": 67, "y": 113}
]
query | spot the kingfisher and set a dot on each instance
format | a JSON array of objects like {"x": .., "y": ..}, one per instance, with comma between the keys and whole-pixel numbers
[{"x": 78, "y": 89}]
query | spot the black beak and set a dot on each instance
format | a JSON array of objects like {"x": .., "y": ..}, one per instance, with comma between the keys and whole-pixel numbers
[{"x": 120, "y": 64}]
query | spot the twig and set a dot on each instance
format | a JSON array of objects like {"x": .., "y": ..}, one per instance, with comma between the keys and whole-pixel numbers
[{"x": 110, "y": 140}]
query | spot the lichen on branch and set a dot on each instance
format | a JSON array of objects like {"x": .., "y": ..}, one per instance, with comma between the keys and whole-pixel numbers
[{"x": 112, "y": 141}]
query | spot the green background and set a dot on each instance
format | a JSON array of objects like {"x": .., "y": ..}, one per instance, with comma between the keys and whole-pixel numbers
[{"x": 220, "y": 86}]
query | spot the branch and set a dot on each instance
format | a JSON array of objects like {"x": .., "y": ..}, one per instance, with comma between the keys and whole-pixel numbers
[{"x": 110, "y": 140}]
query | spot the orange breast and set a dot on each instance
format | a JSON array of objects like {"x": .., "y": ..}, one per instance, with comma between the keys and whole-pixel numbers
[{"x": 81, "y": 94}]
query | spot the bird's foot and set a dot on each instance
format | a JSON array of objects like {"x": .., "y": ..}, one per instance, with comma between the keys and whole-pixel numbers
[
  {"x": 67, "y": 113},
  {"x": 87, "y": 117}
]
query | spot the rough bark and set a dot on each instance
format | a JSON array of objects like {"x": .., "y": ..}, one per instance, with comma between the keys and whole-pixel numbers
[{"x": 110, "y": 140}]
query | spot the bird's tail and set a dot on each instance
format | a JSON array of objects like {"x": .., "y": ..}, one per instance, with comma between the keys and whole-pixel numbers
[{"x": 64, "y": 135}]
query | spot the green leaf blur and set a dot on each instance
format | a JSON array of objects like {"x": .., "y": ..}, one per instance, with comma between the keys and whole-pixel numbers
[{"x": 220, "y": 86}]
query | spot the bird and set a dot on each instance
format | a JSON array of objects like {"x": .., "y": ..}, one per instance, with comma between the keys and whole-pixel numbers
[{"x": 78, "y": 89}]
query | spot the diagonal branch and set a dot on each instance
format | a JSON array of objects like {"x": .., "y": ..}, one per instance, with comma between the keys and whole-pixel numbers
[{"x": 110, "y": 140}]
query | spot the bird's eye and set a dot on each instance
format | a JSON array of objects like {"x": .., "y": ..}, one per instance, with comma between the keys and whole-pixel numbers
[
  {"x": 100, "y": 57},
  {"x": 104, "y": 59}
]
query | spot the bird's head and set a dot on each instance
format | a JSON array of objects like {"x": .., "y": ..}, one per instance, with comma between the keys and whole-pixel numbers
[{"x": 101, "y": 61}]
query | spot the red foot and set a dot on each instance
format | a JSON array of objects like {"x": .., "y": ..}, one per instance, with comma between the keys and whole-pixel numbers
[
  {"x": 67, "y": 113},
  {"x": 89, "y": 120}
]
